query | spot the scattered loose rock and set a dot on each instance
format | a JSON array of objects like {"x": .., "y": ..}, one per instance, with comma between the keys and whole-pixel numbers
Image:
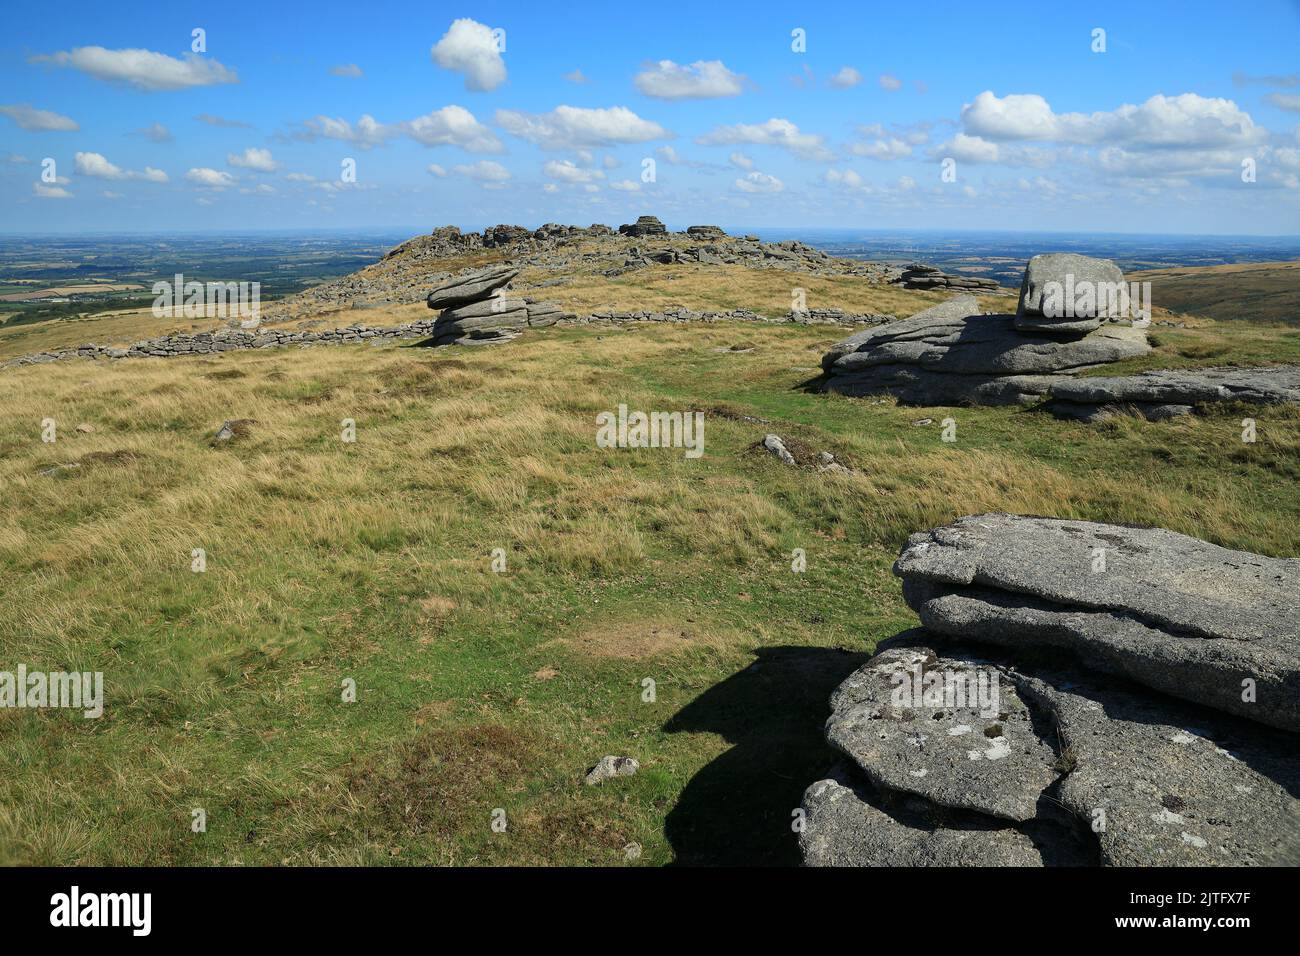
[
  {"x": 233, "y": 428},
  {"x": 610, "y": 767}
]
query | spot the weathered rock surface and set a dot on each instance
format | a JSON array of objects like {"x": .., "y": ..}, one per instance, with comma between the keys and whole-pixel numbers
[
  {"x": 470, "y": 287},
  {"x": 954, "y": 732},
  {"x": 1168, "y": 392},
  {"x": 846, "y": 824},
  {"x": 1168, "y": 784},
  {"x": 1055, "y": 290},
  {"x": 1178, "y": 614},
  {"x": 1087, "y": 661},
  {"x": 950, "y": 354}
]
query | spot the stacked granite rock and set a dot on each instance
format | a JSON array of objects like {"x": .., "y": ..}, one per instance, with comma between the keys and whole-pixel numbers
[
  {"x": 644, "y": 226},
  {"x": 476, "y": 309},
  {"x": 952, "y": 354},
  {"x": 921, "y": 276},
  {"x": 1147, "y": 706}
]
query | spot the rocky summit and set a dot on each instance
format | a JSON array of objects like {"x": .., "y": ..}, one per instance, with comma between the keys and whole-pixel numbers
[
  {"x": 644, "y": 226},
  {"x": 1059, "y": 707}
]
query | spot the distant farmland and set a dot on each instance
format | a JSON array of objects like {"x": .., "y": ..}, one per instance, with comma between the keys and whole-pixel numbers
[
  {"x": 62, "y": 292},
  {"x": 1259, "y": 291}
]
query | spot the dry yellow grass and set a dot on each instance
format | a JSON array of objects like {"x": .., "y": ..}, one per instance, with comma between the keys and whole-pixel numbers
[{"x": 372, "y": 560}]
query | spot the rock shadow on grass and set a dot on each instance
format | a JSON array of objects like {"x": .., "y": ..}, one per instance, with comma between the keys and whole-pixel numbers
[{"x": 736, "y": 811}]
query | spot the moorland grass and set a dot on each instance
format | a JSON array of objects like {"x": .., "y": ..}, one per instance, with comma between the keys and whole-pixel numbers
[{"x": 372, "y": 561}]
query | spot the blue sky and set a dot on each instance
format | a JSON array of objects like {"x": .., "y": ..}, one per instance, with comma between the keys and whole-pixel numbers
[{"x": 598, "y": 112}]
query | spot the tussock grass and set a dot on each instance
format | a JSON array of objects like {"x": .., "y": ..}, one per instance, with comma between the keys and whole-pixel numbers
[{"x": 372, "y": 561}]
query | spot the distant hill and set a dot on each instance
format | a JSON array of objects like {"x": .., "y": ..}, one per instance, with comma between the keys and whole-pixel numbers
[{"x": 1259, "y": 291}]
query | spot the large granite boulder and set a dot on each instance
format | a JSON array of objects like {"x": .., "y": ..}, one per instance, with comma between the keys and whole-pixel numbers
[
  {"x": 951, "y": 354},
  {"x": 505, "y": 235},
  {"x": 468, "y": 287},
  {"x": 1136, "y": 779},
  {"x": 1091, "y": 757},
  {"x": 477, "y": 310},
  {"x": 1178, "y": 614},
  {"x": 1065, "y": 292}
]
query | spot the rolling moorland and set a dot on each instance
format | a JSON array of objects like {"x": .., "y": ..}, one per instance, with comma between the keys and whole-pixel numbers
[{"x": 372, "y": 561}]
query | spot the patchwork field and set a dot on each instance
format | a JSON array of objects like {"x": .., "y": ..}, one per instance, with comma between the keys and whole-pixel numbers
[{"x": 477, "y": 691}]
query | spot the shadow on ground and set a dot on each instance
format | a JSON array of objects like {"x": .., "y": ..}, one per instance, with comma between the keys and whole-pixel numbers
[{"x": 737, "y": 810}]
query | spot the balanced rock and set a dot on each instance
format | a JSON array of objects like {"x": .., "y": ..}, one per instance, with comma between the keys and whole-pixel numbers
[
  {"x": 470, "y": 287},
  {"x": 1067, "y": 292},
  {"x": 1175, "y": 613}
]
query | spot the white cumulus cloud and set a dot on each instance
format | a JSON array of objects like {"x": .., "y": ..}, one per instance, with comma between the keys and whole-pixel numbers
[
  {"x": 449, "y": 126},
  {"x": 453, "y": 126},
  {"x": 96, "y": 165},
  {"x": 1186, "y": 120},
  {"x": 142, "y": 69},
  {"x": 757, "y": 182},
  {"x": 845, "y": 79},
  {"x": 573, "y": 127},
  {"x": 42, "y": 191},
  {"x": 567, "y": 172},
  {"x": 253, "y": 158},
  {"x": 39, "y": 121},
  {"x": 774, "y": 132},
  {"x": 703, "y": 79},
  {"x": 484, "y": 170},
  {"x": 469, "y": 48},
  {"x": 213, "y": 178}
]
